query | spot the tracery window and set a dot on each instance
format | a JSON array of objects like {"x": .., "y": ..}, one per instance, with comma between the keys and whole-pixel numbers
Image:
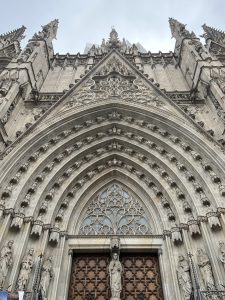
[{"x": 115, "y": 211}]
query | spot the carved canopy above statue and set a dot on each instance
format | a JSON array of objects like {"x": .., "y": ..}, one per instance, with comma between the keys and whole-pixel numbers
[{"x": 115, "y": 211}]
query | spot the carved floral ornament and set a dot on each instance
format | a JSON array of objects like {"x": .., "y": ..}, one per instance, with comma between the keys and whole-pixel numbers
[
  {"x": 115, "y": 211},
  {"x": 115, "y": 80}
]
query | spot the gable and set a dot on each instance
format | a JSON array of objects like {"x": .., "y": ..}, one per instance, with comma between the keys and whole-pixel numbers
[{"x": 115, "y": 80}]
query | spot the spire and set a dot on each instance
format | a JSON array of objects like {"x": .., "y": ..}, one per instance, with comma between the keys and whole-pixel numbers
[
  {"x": 215, "y": 35},
  {"x": 48, "y": 32},
  {"x": 12, "y": 36},
  {"x": 179, "y": 31}
]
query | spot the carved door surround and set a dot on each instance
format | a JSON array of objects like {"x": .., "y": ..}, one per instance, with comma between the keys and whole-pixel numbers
[{"x": 139, "y": 255}]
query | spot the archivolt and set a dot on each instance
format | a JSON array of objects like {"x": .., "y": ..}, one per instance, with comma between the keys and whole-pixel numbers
[{"x": 169, "y": 159}]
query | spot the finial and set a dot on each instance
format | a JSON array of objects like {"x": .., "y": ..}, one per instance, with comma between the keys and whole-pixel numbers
[
  {"x": 215, "y": 35},
  {"x": 48, "y": 31},
  {"x": 14, "y": 35},
  {"x": 179, "y": 30}
]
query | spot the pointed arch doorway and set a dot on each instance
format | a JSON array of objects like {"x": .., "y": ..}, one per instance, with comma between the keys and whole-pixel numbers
[{"x": 115, "y": 212}]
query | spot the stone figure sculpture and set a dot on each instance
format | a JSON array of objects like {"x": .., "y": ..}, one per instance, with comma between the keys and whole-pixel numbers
[
  {"x": 205, "y": 269},
  {"x": 115, "y": 271},
  {"x": 6, "y": 260},
  {"x": 26, "y": 267},
  {"x": 222, "y": 252},
  {"x": 184, "y": 277},
  {"x": 46, "y": 276}
]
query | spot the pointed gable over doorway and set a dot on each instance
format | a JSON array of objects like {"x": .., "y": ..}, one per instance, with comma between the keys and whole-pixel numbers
[{"x": 115, "y": 81}]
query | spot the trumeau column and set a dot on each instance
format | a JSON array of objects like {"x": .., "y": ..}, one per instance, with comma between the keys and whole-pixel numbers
[
  {"x": 173, "y": 279},
  {"x": 19, "y": 250},
  {"x": 57, "y": 269}
]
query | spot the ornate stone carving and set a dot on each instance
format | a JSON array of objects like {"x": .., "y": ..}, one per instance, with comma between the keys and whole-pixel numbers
[
  {"x": 115, "y": 272},
  {"x": 222, "y": 252},
  {"x": 54, "y": 234},
  {"x": 37, "y": 226},
  {"x": 26, "y": 201},
  {"x": 115, "y": 82},
  {"x": 44, "y": 206},
  {"x": 6, "y": 260},
  {"x": 115, "y": 211},
  {"x": 25, "y": 270},
  {"x": 115, "y": 243},
  {"x": 48, "y": 31},
  {"x": 184, "y": 277},
  {"x": 194, "y": 227},
  {"x": 176, "y": 235},
  {"x": 217, "y": 36},
  {"x": 17, "y": 221},
  {"x": 178, "y": 30},
  {"x": 47, "y": 275},
  {"x": 218, "y": 75},
  {"x": 205, "y": 201},
  {"x": 213, "y": 219},
  {"x": 205, "y": 269},
  {"x": 60, "y": 214},
  {"x": 12, "y": 36}
]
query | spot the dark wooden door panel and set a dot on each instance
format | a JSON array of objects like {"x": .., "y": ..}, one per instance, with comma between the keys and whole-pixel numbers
[
  {"x": 141, "y": 277},
  {"x": 90, "y": 276}
]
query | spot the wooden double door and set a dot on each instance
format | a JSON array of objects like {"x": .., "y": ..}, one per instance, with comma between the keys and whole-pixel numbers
[{"x": 140, "y": 278}]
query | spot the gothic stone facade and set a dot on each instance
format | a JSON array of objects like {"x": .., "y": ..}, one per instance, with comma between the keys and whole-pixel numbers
[{"x": 116, "y": 142}]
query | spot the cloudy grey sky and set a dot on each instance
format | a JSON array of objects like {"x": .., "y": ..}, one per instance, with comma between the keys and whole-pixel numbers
[{"x": 82, "y": 21}]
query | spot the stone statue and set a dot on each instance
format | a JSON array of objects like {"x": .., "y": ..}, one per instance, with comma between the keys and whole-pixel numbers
[
  {"x": 222, "y": 252},
  {"x": 25, "y": 270},
  {"x": 46, "y": 276},
  {"x": 184, "y": 277},
  {"x": 115, "y": 271},
  {"x": 6, "y": 260},
  {"x": 205, "y": 269}
]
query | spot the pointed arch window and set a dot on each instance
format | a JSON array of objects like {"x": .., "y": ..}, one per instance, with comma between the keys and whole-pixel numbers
[{"x": 115, "y": 211}]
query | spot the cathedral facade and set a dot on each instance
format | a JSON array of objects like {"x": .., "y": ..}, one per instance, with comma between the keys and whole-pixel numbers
[{"x": 112, "y": 168}]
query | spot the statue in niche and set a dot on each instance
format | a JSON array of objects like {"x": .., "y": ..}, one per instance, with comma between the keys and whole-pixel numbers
[
  {"x": 46, "y": 277},
  {"x": 26, "y": 267},
  {"x": 115, "y": 272},
  {"x": 184, "y": 277},
  {"x": 205, "y": 269},
  {"x": 222, "y": 252},
  {"x": 6, "y": 260}
]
